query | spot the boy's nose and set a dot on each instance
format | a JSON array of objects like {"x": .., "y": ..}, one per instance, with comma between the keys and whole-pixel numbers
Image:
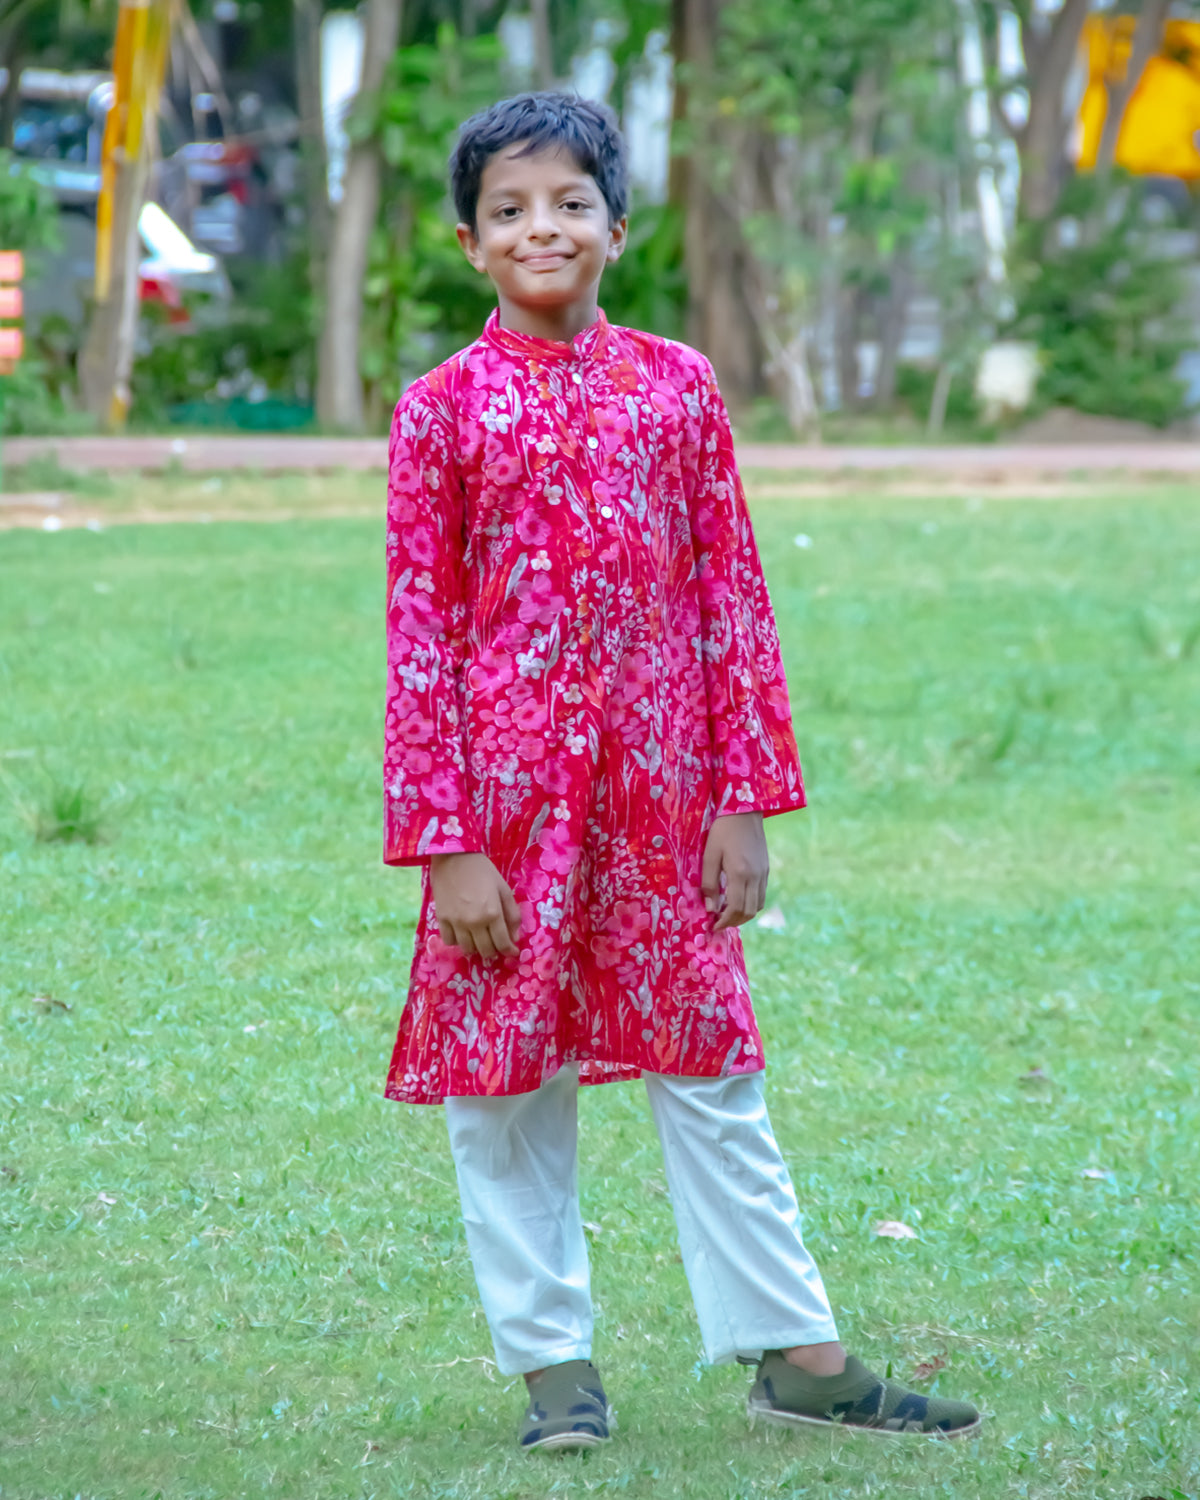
[{"x": 542, "y": 225}]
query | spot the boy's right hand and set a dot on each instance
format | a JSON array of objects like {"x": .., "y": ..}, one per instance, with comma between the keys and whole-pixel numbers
[{"x": 475, "y": 909}]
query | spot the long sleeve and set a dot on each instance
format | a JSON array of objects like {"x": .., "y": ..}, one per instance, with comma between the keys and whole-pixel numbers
[
  {"x": 756, "y": 767},
  {"x": 427, "y": 803}
]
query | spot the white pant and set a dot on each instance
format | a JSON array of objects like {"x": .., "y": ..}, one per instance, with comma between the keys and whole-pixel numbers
[{"x": 754, "y": 1284}]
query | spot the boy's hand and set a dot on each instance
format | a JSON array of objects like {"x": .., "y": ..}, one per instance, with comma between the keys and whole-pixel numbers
[
  {"x": 734, "y": 874},
  {"x": 476, "y": 911}
]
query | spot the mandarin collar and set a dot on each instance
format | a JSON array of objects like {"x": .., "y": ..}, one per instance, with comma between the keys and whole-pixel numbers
[{"x": 588, "y": 344}]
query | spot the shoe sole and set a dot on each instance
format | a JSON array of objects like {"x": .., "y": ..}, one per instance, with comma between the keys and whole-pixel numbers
[
  {"x": 760, "y": 1411},
  {"x": 566, "y": 1440}
]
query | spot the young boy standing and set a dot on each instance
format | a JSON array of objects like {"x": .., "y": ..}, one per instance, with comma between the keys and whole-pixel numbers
[{"x": 587, "y": 721}]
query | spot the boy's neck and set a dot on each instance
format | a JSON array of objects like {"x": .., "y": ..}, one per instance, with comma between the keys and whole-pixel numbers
[{"x": 560, "y": 324}]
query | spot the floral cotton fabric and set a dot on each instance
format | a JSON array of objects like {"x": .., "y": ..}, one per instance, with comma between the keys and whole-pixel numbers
[{"x": 583, "y": 671}]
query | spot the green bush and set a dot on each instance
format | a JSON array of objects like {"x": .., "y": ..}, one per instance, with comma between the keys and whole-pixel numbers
[
  {"x": 263, "y": 347},
  {"x": 1102, "y": 303}
]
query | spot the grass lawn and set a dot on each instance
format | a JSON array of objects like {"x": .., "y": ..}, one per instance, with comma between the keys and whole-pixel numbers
[{"x": 230, "y": 1268}]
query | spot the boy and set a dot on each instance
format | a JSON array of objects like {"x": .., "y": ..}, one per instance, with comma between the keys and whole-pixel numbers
[{"x": 586, "y": 722}]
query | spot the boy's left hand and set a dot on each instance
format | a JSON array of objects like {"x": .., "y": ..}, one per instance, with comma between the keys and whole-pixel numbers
[{"x": 733, "y": 878}]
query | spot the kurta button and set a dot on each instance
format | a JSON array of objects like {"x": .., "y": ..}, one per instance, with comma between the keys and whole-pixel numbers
[
  {"x": 577, "y": 378},
  {"x": 606, "y": 512},
  {"x": 593, "y": 442}
]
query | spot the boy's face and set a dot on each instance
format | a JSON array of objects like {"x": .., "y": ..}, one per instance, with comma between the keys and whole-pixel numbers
[{"x": 542, "y": 232}]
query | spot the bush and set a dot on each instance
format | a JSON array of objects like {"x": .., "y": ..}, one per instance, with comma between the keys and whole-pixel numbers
[
  {"x": 1102, "y": 303},
  {"x": 261, "y": 349}
]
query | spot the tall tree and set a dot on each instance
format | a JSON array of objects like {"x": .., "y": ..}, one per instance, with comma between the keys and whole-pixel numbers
[
  {"x": 720, "y": 319},
  {"x": 339, "y": 383},
  {"x": 1050, "y": 45},
  {"x": 306, "y": 50}
]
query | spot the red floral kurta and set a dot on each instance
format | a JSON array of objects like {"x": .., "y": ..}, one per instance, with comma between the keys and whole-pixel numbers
[{"x": 583, "y": 670}]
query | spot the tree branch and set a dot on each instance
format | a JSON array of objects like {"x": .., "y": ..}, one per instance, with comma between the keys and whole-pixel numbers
[{"x": 1147, "y": 38}]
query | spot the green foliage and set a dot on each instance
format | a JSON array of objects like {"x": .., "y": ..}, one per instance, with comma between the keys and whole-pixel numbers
[
  {"x": 914, "y": 388},
  {"x": 262, "y": 346},
  {"x": 647, "y": 288},
  {"x": 1102, "y": 302},
  {"x": 28, "y": 216},
  {"x": 421, "y": 298}
]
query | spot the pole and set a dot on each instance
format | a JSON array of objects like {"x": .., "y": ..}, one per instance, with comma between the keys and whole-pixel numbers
[{"x": 139, "y": 62}]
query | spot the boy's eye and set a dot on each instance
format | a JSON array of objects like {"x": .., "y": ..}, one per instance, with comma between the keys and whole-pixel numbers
[
  {"x": 509, "y": 211},
  {"x": 574, "y": 203}
]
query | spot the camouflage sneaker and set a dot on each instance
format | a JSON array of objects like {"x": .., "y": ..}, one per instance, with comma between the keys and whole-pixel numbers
[
  {"x": 856, "y": 1399},
  {"x": 567, "y": 1408}
]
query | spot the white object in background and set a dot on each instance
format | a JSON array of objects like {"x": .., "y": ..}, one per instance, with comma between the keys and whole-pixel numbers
[
  {"x": 1007, "y": 378},
  {"x": 341, "y": 74},
  {"x": 979, "y": 126},
  {"x": 648, "y": 102},
  {"x": 171, "y": 256}
]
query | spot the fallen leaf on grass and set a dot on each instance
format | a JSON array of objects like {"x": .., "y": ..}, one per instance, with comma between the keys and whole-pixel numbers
[
  {"x": 929, "y": 1367},
  {"x": 105, "y": 1198},
  {"x": 50, "y": 1003},
  {"x": 772, "y": 920},
  {"x": 1096, "y": 1174},
  {"x": 892, "y": 1229},
  {"x": 8, "y": 1171},
  {"x": 1034, "y": 1077}
]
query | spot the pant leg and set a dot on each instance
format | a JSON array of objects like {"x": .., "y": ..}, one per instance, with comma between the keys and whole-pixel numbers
[
  {"x": 754, "y": 1284},
  {"x": 515, "y": 1157}
]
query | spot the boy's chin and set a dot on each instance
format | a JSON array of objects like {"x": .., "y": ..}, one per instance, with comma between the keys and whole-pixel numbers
[{"x": 549, "y": 298}]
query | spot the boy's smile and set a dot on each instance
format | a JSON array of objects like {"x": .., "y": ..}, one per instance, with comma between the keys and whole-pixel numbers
[{"x": 542, "y": 234}]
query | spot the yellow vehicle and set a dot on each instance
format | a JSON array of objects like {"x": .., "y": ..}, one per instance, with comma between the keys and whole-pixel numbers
[{"x": 1162, "y": 118}]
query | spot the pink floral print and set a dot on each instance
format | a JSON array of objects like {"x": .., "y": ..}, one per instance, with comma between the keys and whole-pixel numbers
[{"x": 583, "y": 671}]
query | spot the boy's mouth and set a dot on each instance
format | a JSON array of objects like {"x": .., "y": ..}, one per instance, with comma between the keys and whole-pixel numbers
[{"x": 545, "y": 260}]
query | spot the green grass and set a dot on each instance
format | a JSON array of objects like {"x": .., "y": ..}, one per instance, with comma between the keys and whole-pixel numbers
[{"x": 229, "y": 1268}]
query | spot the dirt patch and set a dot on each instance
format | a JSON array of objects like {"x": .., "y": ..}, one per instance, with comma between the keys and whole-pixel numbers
[{"x": 1062, "y": 425}]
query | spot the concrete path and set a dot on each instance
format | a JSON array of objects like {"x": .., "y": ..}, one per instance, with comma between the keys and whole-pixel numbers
[{"x": 276, "y": 452}]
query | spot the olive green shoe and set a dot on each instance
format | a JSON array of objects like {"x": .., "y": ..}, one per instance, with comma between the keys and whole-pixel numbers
[
  {"x": 855, "y": 1400},
  {"x": 567, "y": 1408}
]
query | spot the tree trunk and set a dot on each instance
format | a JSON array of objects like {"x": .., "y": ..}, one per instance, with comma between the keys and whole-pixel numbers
[
  {"x": 12, "y": 57},
  {"x": 1147, "y": 39},
  {"x": 893, "y": 321},
  {"x": 1043, "y": 139},
  {"x": 543, "y": 44},
  {"x": 306, "y": 48},
  {"x": 719, "y": 319},
  {"x": 847, "y": 322},
  {"x": 339, "y": 384},
  {"x": 106, "y": 358}
]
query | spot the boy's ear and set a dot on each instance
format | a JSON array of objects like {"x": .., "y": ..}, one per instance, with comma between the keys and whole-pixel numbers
[
  {"x": 618, "y": 233},
  {"x": 470, "y": 246}
]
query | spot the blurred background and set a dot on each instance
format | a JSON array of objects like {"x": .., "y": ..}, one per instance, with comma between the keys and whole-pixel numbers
[{"x": 883, "y": 220}]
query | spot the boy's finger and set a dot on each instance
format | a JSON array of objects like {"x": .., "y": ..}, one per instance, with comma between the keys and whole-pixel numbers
[
  {"x": 710, "y": 877},
  {"x": 501, "y": 938},
  {"x": 466, "y": 941},
  {"x": 512, "y": 914},
  {"x": 733, "y": 914},
  {"x": 483, "y": 943},
  {"x": 447, "y": 934}
]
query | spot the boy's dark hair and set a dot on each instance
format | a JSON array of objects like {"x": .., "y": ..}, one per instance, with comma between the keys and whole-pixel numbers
[{"x": 586, "y": 131}]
